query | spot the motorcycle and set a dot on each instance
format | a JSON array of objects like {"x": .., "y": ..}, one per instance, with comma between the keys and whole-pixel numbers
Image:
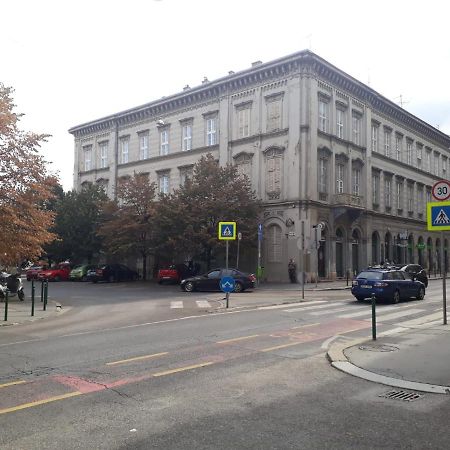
[{"x": 14, "y": 285}]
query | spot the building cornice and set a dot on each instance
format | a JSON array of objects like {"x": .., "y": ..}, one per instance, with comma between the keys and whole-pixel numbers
[{"x": 304, "y": 63}]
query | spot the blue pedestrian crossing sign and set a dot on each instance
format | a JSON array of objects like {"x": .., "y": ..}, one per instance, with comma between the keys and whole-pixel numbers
[
  {"x": 227, "y": 231},
  {"x": 438, "y": 216},
  {"x": 227, "y": 284}
]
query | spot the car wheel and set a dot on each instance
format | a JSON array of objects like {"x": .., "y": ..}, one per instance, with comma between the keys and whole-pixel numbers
[
  {"x": 421, "y": 293},
  {"x": 21, "y": 295},
  {"x": 111, "y": 278},
  {"x": 360, "y": 299},
  {"x": 238, "y": 287},
  {"x": 84, "y": 278},
  {"x": 189, "y": 286},
  {"x": 28, "y": 279},
  {"x": 57, "y": 278},
  {"x": 396, "y": 297}
]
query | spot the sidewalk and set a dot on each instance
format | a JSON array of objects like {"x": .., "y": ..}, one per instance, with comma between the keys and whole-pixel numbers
[
  {"x": 416, "y": 358},
  {"x": 20, "y": 312}
]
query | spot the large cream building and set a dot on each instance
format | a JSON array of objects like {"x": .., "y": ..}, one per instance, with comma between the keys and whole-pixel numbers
[{"x": 318, "y": 146}]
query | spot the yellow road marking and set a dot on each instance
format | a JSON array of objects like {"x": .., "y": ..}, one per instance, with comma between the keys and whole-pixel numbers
[
  {"x": 137, "y": 358},
  {"x": 281, "y": 346},
  {"x": 39, "y": 402},
  {"x": 12, "y": 383},
  {"x": 181, "y": 369},
  {"x": 237, "y": 339},
  {"x": 304, "y": 326}
]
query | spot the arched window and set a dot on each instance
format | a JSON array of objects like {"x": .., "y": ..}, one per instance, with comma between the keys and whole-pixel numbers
[
  {"x": 243, "y": 164},
  {"x": 274, "y": 243},
  {"x": 274, "y": 173}
]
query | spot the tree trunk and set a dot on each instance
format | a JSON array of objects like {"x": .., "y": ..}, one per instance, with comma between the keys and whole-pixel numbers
[{"x": 144, "y": 266}]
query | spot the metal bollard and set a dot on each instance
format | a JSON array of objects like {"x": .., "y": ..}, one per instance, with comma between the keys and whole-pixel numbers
[
  {"x": 374, "y": 319},
  {"x": 42, "y": 291},
  {"x": 32, "y": 298},
  {"x": 6, "y": 304},
  {"x": 45, "y": 294}
]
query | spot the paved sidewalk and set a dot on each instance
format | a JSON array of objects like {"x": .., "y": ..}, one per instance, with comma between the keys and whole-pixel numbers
[
  {"x": 20, "y": 312},
  {"x": 416, "y": 358}
]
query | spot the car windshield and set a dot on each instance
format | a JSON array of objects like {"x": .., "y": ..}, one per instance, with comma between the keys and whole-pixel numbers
[{"x": 371, "y": 275}]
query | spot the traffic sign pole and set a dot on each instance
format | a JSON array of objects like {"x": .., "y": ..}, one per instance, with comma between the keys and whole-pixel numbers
[
  {"x": 444, "y": 287},
  {"x": 227, "y": 295}
]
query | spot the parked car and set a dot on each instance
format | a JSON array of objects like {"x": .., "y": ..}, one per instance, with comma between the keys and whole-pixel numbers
[
  {"x": 174, "y": 273},
  {"x": 80, "y": 272},
  {"x": 415, "y": 271},
  {"x": 58, "y": 273},
  {"x": 210, "y": 281},
  {"x": 32, "y": 272},
  {"x": 113, "y": 272},
  {"x": 386, "y": 284}
]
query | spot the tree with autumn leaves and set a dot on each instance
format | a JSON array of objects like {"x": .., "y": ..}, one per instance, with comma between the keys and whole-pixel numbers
[{"x": 25, "y": 188}]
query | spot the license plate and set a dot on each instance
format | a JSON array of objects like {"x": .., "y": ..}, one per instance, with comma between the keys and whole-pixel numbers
[{"x": 366, "y": 286}]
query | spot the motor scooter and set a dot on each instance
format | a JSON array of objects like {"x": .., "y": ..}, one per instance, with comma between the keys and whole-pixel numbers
[{"x": 14, "y": 285}]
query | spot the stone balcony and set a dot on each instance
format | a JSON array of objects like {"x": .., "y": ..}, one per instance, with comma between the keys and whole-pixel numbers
[{"x": 348, "y": 200}]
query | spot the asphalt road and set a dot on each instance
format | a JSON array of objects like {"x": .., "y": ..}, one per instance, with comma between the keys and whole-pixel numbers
[{"x": 129, "y": 367}]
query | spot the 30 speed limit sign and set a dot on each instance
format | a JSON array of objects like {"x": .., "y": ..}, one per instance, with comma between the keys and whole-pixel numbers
[{"x": 441, "y": 190}]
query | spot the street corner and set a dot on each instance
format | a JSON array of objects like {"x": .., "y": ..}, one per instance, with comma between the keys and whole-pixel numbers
[
  {"x": 18, "y": 313},
  {"x": 336, "y": 351}
]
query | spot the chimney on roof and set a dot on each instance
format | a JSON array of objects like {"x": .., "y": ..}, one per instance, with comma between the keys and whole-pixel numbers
[
  {"x": 205, "y": 80},
  {"x": 186, "y": 87},
  {"x": 231, "y": 72},
  {"x": 256, "y": 63}
]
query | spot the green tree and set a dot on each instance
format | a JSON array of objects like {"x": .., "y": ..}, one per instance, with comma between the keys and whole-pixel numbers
[
  {"x": 187, "y": 220},
  {"x": 76, "y": 225},
  {"x": 25, "y": 188},
  {"x": 127, "y": 224}
]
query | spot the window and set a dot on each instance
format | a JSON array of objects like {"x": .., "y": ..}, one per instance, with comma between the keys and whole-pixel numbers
[
  {"x": 163, "y": 179},
  {"x": 388, "y": 192},
  {"x": 87, "y": 157},
  {"x": 398, "y": 147},
  {"x": 436, "y": 164},
  {"x": 187, "y": 137},
  {"x": 356, "y": 180},
  {"x": 376, "y": 188},
  {"x": 274, "y": 244},
  {"x": 444, "y": 166},
  {"x": 387, "y": 142},
  {"x": 419, "y": 150},
  {"x": 410, "y": 198},
  {"x": 143, "y": 146},
  {"x": 244, "y": 165},
  {"x": 186, "y": 173},
  {"x": 103, "y": 155},
  {"x": 428, "y": 195},
  {"x": 164, "y": 142},
  {"x": 211, "y": 133},
  {"x": 420, "y": 201},
  {"x": 323, "y": 115},
  {"x": 323, "y": 175},
  {"x": 273, "y": 173},
  {"x": 429, "y": 161},
  {"x": 356, "y": 128},
  {"x": 340, "y": 169},
  {"x": 374, "y": 137},
  {"x": 399, "y": 195},
  {"x": 409, "y": 152},
  {"x": 244, "y": 122},
  {"x": 340, "y": 123},
  {"x": 124, "y": 147},
  {"x": 273, "y": 114}
]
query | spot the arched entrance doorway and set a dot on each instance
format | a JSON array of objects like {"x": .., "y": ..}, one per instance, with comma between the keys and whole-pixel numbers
[
  {"x": 388, "y": 256},
  {"x": 410, "y": 249},
  {"x": 339, "y": 253},
  {"x": 420, "y": 250},
  {"x": 430, "y": 254},
  {"x": 355, "y": 251},
  {"x": 375, "y": 248}
]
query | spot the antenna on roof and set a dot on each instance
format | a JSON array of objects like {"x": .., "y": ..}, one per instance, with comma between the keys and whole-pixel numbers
[{"x": 401, "y": 102}]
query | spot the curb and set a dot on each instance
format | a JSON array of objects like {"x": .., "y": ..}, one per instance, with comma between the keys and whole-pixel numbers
[
  {"x": 339, "y": 361},
  {"x": 57, "y": 311}
]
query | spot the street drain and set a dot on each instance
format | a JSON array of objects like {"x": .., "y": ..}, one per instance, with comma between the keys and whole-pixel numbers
[
  {"x": 405, "y": 396},
  {"x": 378, "y": 348}
]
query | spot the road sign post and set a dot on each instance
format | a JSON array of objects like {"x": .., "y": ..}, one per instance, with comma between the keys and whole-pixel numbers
[
  {"x": 438, "y": 219},
  {"x": 258, "y": 270},
  {"x": 227, "y": 232}
]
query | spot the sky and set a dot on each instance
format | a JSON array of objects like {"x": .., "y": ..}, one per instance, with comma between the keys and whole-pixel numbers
[{"x": 71, "y": 62}]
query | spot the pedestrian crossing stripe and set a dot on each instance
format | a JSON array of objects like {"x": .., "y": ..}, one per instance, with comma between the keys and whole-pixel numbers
[
  {"x": 227, "y": 231},
  {"x": 438, "y": 216}
]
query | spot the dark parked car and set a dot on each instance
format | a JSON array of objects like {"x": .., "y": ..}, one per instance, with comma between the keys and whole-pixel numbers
[
  {"x": 417, "y": 272},
  {"x": 210, "y": 281},
  {"x": 386, "y": 284},
  {"x": 112, "y": 272}
]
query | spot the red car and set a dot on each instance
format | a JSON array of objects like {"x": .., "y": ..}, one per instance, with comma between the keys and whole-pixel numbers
[
  {"x": 174, "y": 273},
  {"x": 58, "y": 273},
  {"x": 32, "y": 272}
]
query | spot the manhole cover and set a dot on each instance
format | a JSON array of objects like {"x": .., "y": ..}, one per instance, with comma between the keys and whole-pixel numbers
[
  {"x": 378, "y": 348},
  {"x": 404, "y": 396}
]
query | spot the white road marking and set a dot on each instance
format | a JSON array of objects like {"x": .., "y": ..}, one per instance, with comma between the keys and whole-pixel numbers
[
  {"x": 290, "y": 304},
  {"x": 391, "y": 331},
  {"x": 331, "y": 311},
  {"x": 421, "y": 320},
  {"x": 362, "y": 313},
  {"x": 174, "y": 305},
  {"x": 398, "y": 314},
  {"x": 307, "y": 308},
  {"x": 203, "y": 303}
]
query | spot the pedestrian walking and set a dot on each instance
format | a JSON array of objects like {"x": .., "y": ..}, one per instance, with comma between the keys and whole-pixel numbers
[{"x": 292, "y": 271}]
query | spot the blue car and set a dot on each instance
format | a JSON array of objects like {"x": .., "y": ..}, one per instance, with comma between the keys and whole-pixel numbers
[{"x": 386, "y": 284}]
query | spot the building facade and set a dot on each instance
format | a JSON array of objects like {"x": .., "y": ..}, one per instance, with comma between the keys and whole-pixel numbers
[{"x": 319, "y": 148}]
